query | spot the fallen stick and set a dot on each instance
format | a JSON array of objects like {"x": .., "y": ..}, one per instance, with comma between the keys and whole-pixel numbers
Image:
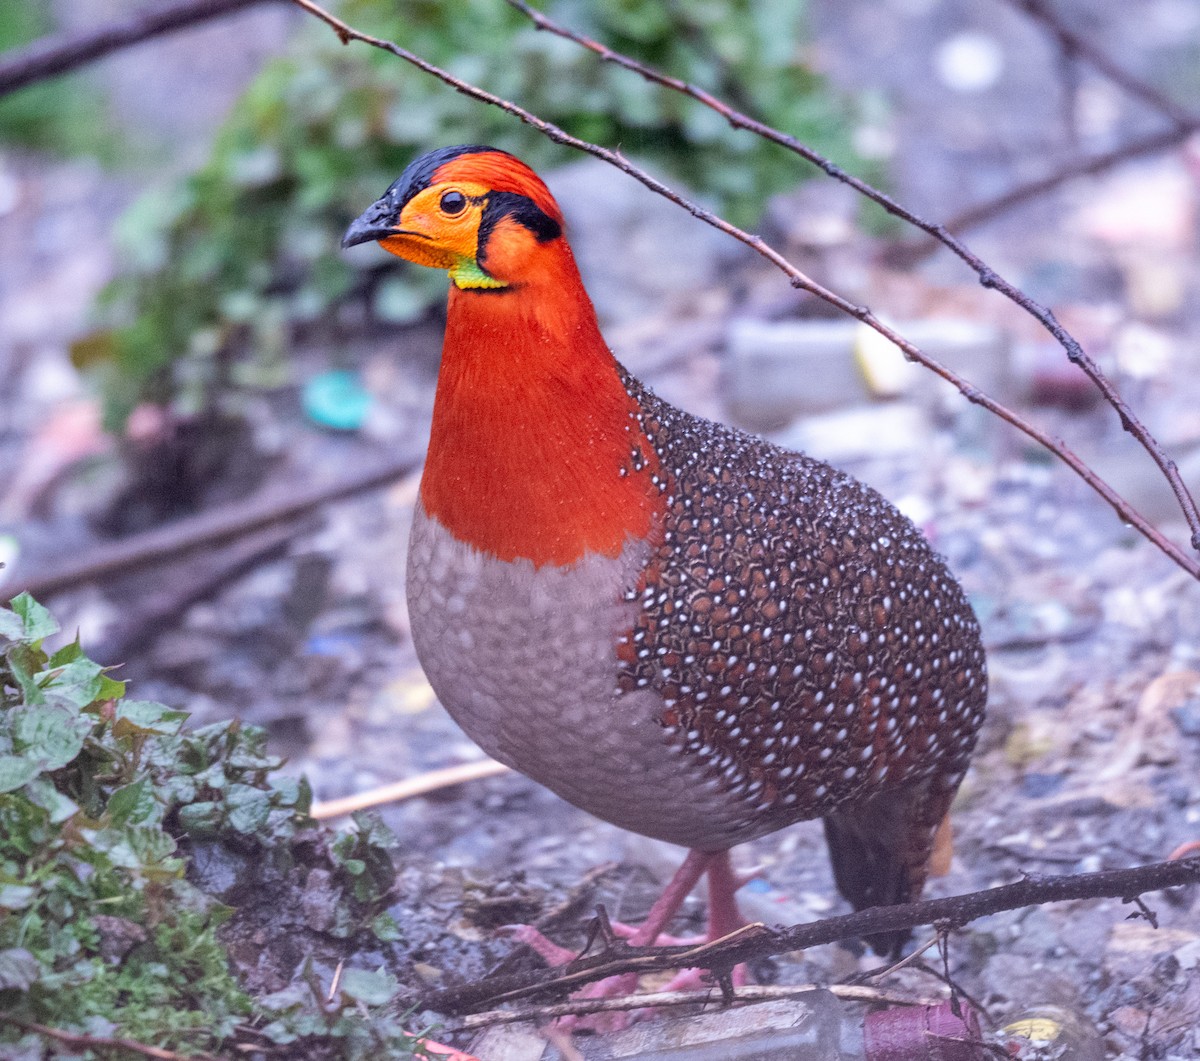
[
  {"x": 410, "y": 787},
  {"x": 748, "y": 994},
  {"x": 207, "y": 528},
  {"x": 759, "y": 941}
]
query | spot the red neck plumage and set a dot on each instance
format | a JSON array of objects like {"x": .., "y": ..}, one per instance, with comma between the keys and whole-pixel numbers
[{"x": 531, "y": 452}]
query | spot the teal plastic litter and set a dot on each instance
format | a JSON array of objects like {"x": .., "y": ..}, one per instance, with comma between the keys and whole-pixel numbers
[{"x": 336, "y": 399}]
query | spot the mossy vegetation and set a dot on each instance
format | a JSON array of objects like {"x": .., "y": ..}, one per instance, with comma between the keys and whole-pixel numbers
[{"x": 101, "y": 932}]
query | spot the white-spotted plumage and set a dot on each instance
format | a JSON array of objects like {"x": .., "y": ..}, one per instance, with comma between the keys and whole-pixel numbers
[{"x": 676, "y": 626}]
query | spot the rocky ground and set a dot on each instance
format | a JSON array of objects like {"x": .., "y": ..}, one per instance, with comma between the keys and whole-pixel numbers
[{"x": 1090, "y": 757}]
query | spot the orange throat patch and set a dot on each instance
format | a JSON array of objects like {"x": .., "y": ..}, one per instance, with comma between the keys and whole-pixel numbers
[{"x": 536, "y": 452}]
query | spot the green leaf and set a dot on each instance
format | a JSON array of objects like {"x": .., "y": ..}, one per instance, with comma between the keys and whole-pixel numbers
[
  {"x": 134, "y": 804},
  {"x": 304, "y": 798},
  {"x": 25, "y": 662},
  {"x": 151, "y": 845},
  {"x": 49, "y": 734},
  {"x": 386, "y": 928},
  {"x": 110, "y": 688},
  {"x": 288, "y": 789},
  {"x": 16, "y": 771},
  {"x": 16, "y": 896},
  {"x": 79, "y": 681},
  {"x": 36, "y": 621},
  {"x": 200, "y": 819},
  {"x": 19, "y": 970},
  {"x": 42, "y": 793},
  {"x": 248, "y": 808},
  {"x": 141, "y": 717},
  {"x": 68, "y": 654},
  {"x": 370, "y": 988},
  {"x": 114, "y": 845},
  {"x": 11, "y": 625}
]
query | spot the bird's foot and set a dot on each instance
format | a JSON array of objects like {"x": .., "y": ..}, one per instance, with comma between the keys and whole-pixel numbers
[
  {"x": 664, "y": 939},
  {"x": 555, "y": 955},
  {"x": 550, "y": 952},
  {"x": 689, "y": 980},
  {"x": 723, "y": 919}
]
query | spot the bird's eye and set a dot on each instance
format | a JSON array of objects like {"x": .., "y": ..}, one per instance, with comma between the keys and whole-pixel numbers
[{"x": 453, "y": 203}]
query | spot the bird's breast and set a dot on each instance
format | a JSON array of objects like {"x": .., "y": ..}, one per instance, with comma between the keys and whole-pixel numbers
[{"x": 524, "y": 658}]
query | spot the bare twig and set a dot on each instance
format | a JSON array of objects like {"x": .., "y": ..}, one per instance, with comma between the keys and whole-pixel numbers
[
  {"x": 61, "y": 53},
  {"x": 578, "y": 890},
  {"x": 410, "y": 787},
  {"x": 801, "y": 281},
  {"x": 747, "y": 995},
  {"x": 335, "y": 984},
  {"x": 1184, "y": 123},
  {"x": 908, "y": 959},
  {"x": 988, "y": 277},
  {"x": 761, "y": 942},
  {"x": 79, "y": 1041},
  {"x": 1075, "y": 45},
  {"x": 1038, "y": 186},
  {"x": 161, "y": 609},
  {"x": 231, "y": 521}
]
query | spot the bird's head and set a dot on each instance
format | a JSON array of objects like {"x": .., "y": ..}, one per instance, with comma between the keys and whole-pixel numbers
[{"x": 477, "y": 212}]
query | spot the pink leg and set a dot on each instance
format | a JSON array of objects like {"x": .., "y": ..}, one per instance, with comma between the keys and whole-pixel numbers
[
  {"x": 672, "y": 897},
  {"x": 664, "y": 908},
  {"x": 723, "y": 914},
  {"x": 643, "y": 935},
  {"x": 723, "y": 918}
]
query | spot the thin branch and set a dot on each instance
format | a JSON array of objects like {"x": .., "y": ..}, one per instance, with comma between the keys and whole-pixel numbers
[
  {"x": 912, "y": 957},
  {"x": 750, "y": 994},
  {"x": 761, "y": 942},
  {"x": 1183, "y": 125},
  {"x": 160, "y": 609},
  {"x": 63, "y": 52},
  {"x": 799, "y": 280},
  {"x": 79, "y": 1041},
  {"x": 988, "y": 277},
  {"x": 1075, "y": 45},
  {"x": 410, "y": 787},
  {"x": 1083, "y": 167},
  {"x": 231, "y": 521}
]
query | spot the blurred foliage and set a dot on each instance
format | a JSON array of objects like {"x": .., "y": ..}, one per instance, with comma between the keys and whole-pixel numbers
[
  {"x": 54, "y": 115},
  {"x": 222, "y": 268},
  {"x": 100, "y": 932}
]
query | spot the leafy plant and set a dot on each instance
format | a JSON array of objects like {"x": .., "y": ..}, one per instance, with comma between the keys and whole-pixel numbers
[
  {"x": 101, "y": 934},
  {"x": 54, "y": 115},
  {"x": 98, "y": 929},
  {"x": 222, "y": 269}
]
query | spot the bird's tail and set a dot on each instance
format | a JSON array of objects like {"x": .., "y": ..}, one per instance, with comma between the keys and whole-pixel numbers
[{"x": 881, "y": 849}]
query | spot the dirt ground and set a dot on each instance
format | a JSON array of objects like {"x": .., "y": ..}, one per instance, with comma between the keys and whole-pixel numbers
[{"x": 1090, "y": 758}]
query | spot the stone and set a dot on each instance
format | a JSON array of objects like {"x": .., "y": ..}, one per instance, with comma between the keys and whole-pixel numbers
[
  {"x": 777, "y": 370},
  {"x": 860, "y": 432},
  {"x": 510, "y": 1042}
]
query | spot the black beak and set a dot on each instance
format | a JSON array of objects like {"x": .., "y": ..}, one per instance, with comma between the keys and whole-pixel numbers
[{"x": 375, "y": 223}]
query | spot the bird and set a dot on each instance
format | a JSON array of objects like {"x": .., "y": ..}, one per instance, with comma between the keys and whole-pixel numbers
[{"x": 678, "y": 627}]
